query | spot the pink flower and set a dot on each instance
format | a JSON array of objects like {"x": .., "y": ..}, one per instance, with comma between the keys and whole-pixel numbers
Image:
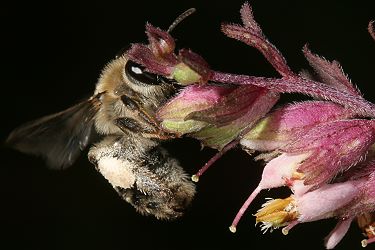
[
  {"x": 316, "y": 148},
  {"x": 315, "y": 155},
  {"x": 344, "y": 201}
]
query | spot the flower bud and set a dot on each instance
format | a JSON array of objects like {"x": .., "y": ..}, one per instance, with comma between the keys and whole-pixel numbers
[{"x": 289, "y": 122}]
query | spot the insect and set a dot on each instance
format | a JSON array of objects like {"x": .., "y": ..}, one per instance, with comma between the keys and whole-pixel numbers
[{"x": 122, "y": 112}]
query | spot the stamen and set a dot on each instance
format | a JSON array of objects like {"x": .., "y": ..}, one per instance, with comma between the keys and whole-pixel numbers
[
  {"x": 232, "y": 228},
  {"x": 216, "y": 157},
  {"x": 265, "y": 226},
  {"x": 286, "y": 229},
  {"x": 277, "y": 213},
  {"x": 244, "y": 207},
  {"x": 365, "y": 242}
]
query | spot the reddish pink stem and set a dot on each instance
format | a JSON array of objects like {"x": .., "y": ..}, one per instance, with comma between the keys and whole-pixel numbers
[
  {"x": 367, "y": 241},
  {"x": 292, "y": 224},
  {"x": 243, "y": 209},
  {"x": 214, "y": 159},
  {"x": 304, "y": 86}
]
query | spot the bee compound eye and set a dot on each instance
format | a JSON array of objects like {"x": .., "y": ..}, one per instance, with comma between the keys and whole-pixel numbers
[{"x": 136, "y": 74}]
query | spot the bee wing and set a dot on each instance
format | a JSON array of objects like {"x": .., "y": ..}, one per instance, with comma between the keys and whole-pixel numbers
[{"x": 60, "y": 137}]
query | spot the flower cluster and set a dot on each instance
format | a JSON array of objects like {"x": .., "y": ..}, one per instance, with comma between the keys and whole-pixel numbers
[{"x": 322, "y": 149}]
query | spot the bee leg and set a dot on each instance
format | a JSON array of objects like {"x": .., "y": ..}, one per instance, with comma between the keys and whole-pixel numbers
[
  {"x": 134, "y": 126},
  {"x": 133, "y": 104},
  {"x": 129, "y": 124}
]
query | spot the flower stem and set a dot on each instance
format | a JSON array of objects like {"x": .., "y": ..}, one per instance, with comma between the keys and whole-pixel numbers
[
  {"x": 243, "y": 209},
  {"x": 356, "y": 104},
  {"x": 217, "y": 156}
]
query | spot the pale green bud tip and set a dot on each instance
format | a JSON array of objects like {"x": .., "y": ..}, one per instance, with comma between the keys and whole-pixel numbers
[
  {"x": 184, "y": 75},
  {"x": 182, "y": 127}
]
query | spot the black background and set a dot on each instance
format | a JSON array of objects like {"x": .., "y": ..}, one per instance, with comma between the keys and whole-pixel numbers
[{"x": 51, "y": 57}]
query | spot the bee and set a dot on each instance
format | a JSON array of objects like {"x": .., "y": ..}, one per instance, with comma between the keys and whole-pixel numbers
[{"x": 129, "y": 155}]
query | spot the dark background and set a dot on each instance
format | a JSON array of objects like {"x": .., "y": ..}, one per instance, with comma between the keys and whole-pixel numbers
[{"x": 51, "y": 57}]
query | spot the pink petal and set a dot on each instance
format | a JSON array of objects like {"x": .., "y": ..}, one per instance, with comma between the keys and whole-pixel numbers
[
  {"x": 322, "y": 202},
  {"x": 335, "y": 147},
  {"x": 280, "y": 168},
  {"x": 336, "y": 235},
  {"x": 232, "y": 106},
  {"x": 274, "y": 175},
  {"x": 142, "y": 54},
  {"x": 160, "y": 42},
  {"x": 286, "y": 123},
  {"x": 192, "y": 98},
  {"x": 365, "y": 202}
]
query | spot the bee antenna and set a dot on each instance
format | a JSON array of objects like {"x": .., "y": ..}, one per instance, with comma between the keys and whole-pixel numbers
[{"x": 180, "y": 18}]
